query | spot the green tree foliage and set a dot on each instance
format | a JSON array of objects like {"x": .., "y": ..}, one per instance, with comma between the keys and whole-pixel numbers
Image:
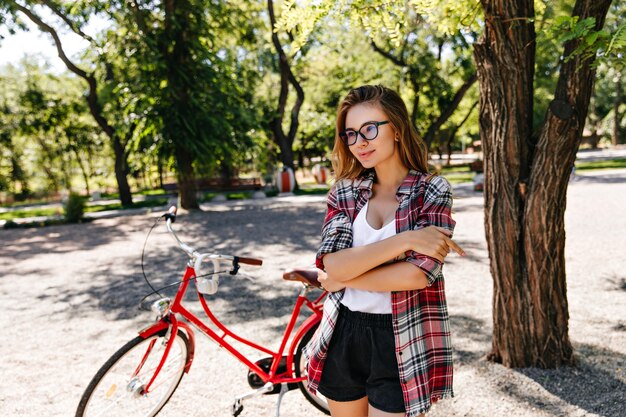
[
  {"x": 607, "y": 113},
  {"x": 16, "y": 10},
  {"x": 192, "y": 87},
  {"x": 49, "y": 140},
  {"x": 182, "y": 69},
  {"x": 74, "y": 208}
]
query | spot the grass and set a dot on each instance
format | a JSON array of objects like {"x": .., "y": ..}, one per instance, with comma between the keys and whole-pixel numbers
[
  {"x": 454, "y": 169},
  {"x": 239, "y": 195},
  {"x": 456, "y": 174},
  {"x": 30, "y": 202},
  {"x": 608, "y": 164},
  {"x": 44, "y": 211},
  {"x": 317, "y": 190},
  {"x": 116, "y": 206},
  {"x": 32, "y": 212},
  {"x": 459, "y": 177},
  {"x": 157, "y": 191},
  {"x": 233, "y": 195}
]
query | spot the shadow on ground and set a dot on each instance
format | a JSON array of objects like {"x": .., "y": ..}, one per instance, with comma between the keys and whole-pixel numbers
[
  {"x": 597, "y": 367},
  {"x": 20, "y": 244},
  {"x": 254, "y": 232},
  {"x": 605, "y": 179},
  {"x": 471, "y": 333}
]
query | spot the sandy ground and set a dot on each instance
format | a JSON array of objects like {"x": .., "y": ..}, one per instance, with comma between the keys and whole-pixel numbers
[{"x": 69, "y": 297}]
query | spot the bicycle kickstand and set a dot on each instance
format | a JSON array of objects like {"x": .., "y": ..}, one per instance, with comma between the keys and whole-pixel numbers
[
  {"x": 238, "y": 404},
  {"x": 284, "y": 388}
]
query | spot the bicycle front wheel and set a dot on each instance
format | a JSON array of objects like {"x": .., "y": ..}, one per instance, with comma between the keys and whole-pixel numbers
[{"x": 118, "y": 388}]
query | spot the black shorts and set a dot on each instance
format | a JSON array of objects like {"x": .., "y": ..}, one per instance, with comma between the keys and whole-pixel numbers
[{"x": 362, "y": 362}]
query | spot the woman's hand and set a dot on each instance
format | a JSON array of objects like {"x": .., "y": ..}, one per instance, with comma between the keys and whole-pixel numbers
[
  {"x": 329, "y": 284},
  {"x": 431, "y": 241}
]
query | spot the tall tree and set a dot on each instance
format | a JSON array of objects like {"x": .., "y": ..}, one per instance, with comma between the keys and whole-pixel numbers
[
  {"x": 287, "y": 77},
  {"x": 95, "y": 106},
  {"x": 526, "y": 178},
  {"x": 190, "y": 57}
]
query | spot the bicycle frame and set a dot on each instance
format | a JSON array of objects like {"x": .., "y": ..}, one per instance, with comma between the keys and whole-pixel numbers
[{"x": 170, "y": 320}]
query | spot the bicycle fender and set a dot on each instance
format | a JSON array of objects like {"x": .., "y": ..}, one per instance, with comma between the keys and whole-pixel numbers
[
  {"x": 154, "y": 328},
  {"x": 162, "y": 325}
]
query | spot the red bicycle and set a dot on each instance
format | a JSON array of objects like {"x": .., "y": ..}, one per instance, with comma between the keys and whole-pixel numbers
[{"x": 140, "y": 378}]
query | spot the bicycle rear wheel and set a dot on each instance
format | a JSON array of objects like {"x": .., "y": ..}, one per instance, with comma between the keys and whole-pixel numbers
[
  {"x": 118, "y": 388},
  {"x": 318, "y": 400}
]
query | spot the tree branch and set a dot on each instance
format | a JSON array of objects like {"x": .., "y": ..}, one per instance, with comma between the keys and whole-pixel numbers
[
  {"x": 57, "y": 41},
  {"x": 397, "y": 61},
  {"x": 67, "y": 21},
  {"x": 92, "y": 98},
  {"x": 448, "y": 111}
]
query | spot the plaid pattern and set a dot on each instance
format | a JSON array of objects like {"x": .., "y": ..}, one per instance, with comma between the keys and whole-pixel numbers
[{"x": 420, "y": 317}]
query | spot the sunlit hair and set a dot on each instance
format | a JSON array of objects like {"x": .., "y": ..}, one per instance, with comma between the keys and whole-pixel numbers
[{"x": 411, "y": 148}]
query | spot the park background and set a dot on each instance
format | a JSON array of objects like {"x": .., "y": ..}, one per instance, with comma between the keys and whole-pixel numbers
[{"x": 207, "y": 97}]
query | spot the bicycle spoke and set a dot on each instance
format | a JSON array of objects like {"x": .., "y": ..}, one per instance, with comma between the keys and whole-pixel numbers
[{"x": 119, "y": 388}]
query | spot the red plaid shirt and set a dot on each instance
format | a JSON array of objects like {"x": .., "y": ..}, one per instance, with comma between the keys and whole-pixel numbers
[{"x": 420, "y": 317}]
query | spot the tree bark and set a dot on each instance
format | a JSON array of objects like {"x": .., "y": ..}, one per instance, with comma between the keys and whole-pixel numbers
[
  {"x": 526, "y": 182},
  {"x": 121, "y": 172},
  {"x": 186, "y": 179}
]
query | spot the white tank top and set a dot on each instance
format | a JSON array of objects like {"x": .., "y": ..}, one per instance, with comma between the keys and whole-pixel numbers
[{"x": 376, "y": 302}]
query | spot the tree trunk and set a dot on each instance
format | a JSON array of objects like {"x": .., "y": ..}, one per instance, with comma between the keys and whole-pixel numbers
[
  {"x": 415, "y": 110},
  {"x": 526, "y": 183},
  {"x": 160, "y": 169},
  {"x": 555, "y": 155},
  {"x": 121, "y": 172},
  {"x": 176, "y": 53},
  {"x": 616, "y": 104},
  {"x": 83, "y": 170},
  {"x": 186, "y": 180}
]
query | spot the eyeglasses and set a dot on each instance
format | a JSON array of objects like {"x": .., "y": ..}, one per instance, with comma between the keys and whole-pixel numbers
[{"x": 368, "y": 130}]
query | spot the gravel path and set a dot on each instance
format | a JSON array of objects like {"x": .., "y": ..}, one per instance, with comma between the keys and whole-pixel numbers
[{"x": 70, "y": 294}]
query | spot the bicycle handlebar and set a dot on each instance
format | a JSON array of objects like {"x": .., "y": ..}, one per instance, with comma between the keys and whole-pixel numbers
[
  {"x": 170, "y": 217},
  {"x": 250, "y": 261}
]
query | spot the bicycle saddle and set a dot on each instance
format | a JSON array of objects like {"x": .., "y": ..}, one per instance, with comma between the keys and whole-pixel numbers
[{"x": 306, "y": 276}]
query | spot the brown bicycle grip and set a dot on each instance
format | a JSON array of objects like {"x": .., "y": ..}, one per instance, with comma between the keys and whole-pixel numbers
[{"x": 249, "y": 261}]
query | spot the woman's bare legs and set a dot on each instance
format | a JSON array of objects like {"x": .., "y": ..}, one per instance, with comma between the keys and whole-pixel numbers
[
  {"x": 373, "y": 412},
  {"x": 356, "y": 408}
]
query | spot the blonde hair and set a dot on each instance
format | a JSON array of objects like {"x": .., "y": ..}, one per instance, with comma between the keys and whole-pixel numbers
[{"x": 411, "y": 148}]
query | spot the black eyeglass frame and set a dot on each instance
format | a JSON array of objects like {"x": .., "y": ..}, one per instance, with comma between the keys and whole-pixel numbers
[{"x": 344, "y": 137}]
